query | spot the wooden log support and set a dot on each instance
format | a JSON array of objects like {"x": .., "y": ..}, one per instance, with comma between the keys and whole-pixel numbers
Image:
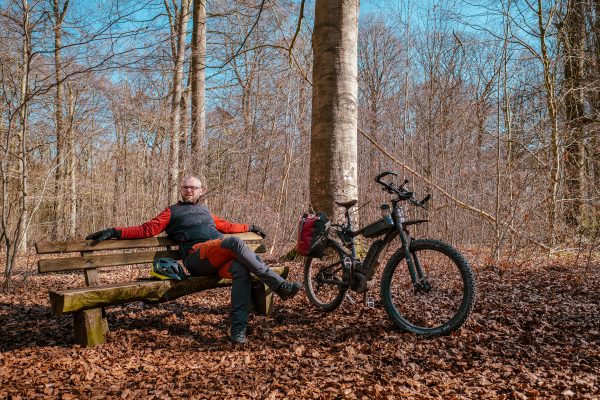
[
  {"x": 72, "y": 300},
  {"x": 262, "y": 299},
  {"x": 89, "y": 327},
  {"x": 91, "y": 279}
]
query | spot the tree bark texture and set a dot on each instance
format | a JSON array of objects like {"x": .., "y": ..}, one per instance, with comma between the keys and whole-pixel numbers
[
  {"x": 70, "y": 162},
  {"x": 333, "y": 159},
  {"x": 573, "y": 36},
  {"x": 554, "y": 150},
  {"x": 179, "y": 30},
  {"x": 198, "y": 76},
  {"x": 59, "y": 172},
  {"x": 595, "y": 145},
  {"x": 21, "y": 236}
]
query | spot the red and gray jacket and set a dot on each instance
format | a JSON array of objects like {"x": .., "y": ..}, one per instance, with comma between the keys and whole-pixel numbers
[{"x": 186, "y": 224}]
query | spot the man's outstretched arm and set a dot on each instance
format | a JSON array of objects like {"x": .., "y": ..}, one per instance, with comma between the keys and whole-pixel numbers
[
  {"x": 225, "y": 226},
  {"x": 148, "y": 229}
]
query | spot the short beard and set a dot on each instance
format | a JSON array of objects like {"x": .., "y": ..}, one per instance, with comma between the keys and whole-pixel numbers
[{"x": 183, "y": 200}]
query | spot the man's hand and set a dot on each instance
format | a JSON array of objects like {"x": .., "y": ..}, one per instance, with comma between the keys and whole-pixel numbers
[
  {"x": 258, "y": 230},
  {"x": 104, "y": 234}
]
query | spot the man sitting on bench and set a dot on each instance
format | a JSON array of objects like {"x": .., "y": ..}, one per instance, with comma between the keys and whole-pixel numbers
[{"x": 205, "y": 251}]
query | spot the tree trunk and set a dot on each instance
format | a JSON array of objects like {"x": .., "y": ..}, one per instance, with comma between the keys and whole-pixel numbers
[
  {"x": 19, "y": 240},
  {"x": 59, "y": 172},
  {"x": 573, "y": 36},
  {"x": 506, "y": 110},
  {"x": 70, "y": 163},
  {"x": 554, "y": 156},
  {"x": 333, "y": 159},
  {"x": 4, "y": 168},
  {"x": 184, "y": 129},
  {"x": 198, "y": 76},
  {"x": 595, "y": 131},
  {"x": 249, "y": 129},
  {"x": 179, "y": 30}
]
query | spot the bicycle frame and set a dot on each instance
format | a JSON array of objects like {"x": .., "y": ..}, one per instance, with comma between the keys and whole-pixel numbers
[{"x": 348, "y": 250}]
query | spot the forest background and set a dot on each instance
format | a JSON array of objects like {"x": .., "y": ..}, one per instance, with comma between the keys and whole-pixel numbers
[{"x": 491, "y": 106}]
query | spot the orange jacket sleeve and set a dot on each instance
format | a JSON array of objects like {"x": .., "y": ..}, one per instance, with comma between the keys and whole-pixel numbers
[
  {"x": 148, "y": 229},
  {"x": 229, "y": 227}
]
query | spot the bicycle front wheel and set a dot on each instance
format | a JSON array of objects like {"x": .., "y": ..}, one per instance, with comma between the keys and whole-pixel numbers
[
  {"x": 324, "y": 279},
  {"x": 439, "y": 300}
]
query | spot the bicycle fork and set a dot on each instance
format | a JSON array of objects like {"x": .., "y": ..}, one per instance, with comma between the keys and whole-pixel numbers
[{"x": 419, "y": 280}]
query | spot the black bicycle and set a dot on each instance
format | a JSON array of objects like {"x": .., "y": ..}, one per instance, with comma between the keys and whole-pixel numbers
[{"x": 427, "y": 286}]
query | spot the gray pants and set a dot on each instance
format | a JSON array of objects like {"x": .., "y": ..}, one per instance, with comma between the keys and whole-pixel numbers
[{"x": 245, "y": 261}]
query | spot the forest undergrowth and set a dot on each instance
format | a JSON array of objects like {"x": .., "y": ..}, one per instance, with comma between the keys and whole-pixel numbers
[{"x": 535, "y": 333}]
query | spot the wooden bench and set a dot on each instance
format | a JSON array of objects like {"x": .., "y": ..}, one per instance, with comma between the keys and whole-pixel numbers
[{"x": 87, "y": 304}]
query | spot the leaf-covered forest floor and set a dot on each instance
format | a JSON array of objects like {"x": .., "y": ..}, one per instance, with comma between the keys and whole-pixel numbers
[{"x": 535, "y": 333}]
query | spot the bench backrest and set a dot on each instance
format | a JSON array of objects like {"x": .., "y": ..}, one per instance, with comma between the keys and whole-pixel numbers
[{"x": 88, "y": 259}]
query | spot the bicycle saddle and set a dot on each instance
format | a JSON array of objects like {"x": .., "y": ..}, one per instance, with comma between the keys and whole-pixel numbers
[{"x": 347, "y": 204}]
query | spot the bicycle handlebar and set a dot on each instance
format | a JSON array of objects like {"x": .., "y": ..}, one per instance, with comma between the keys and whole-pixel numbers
[
  {"x": 381, "y": 175},
  {"x": 399, "y": 191},
  {"x": 388, "y": 187}
]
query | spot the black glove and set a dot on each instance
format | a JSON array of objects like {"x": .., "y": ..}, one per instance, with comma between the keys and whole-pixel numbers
[
  {"x": 104, "y": 234},
  {"x": 258, "y": 230}
]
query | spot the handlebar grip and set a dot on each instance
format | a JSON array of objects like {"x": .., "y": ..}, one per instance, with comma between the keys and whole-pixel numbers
[
  {"x": 425, "y": 200},
  {"x": 381, "y": 175}
]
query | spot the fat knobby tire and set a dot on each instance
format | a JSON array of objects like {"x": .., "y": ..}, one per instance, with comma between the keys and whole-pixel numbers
[{"x": 469, "y": 291}]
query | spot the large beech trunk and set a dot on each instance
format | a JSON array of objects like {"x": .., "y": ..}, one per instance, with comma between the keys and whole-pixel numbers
[{"x": 333, "y": 160}]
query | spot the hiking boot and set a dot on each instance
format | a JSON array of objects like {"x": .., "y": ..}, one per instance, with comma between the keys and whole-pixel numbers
[
  {"x": 287, "y": 290},
  {"x": 238, "y": 337}
]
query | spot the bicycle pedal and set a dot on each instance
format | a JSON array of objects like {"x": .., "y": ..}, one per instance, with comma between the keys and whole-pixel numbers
[{"x": 369, "y": 302}]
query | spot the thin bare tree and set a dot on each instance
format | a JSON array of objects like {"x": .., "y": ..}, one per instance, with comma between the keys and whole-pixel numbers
[
  {"x": 58, "y": 16},
  {"x": 198, "y": 76},
  {"x": 178, "y": 13}
]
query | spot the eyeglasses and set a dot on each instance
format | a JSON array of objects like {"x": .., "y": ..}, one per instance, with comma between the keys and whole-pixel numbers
[{"x": 190, "y": 187}]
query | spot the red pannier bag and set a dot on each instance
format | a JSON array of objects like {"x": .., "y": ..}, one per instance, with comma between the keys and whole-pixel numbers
[{"x": 312, "y": 235}]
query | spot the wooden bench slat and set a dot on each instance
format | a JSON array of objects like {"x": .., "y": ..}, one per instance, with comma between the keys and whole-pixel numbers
[
  {"x": 90, "y": 245},
  {"x": 72, "y": 300},
  {"x": 102, "y": 260},
  {"x": 113, "y": 260}
]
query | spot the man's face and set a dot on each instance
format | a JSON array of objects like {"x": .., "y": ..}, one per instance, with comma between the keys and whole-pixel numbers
[{"x": 190, "y": 190}]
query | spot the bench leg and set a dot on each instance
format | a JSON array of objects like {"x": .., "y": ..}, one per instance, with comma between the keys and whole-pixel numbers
[
  {"x": 90, "y": 327},
  {"x": 104, "y": 321},
  {"x": 262, "y": 299}
]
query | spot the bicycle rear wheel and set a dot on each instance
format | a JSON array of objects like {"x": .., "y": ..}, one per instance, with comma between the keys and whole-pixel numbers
[
  {"x": 323, "y": 279},
  {"x": 445, "y": 294}
]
